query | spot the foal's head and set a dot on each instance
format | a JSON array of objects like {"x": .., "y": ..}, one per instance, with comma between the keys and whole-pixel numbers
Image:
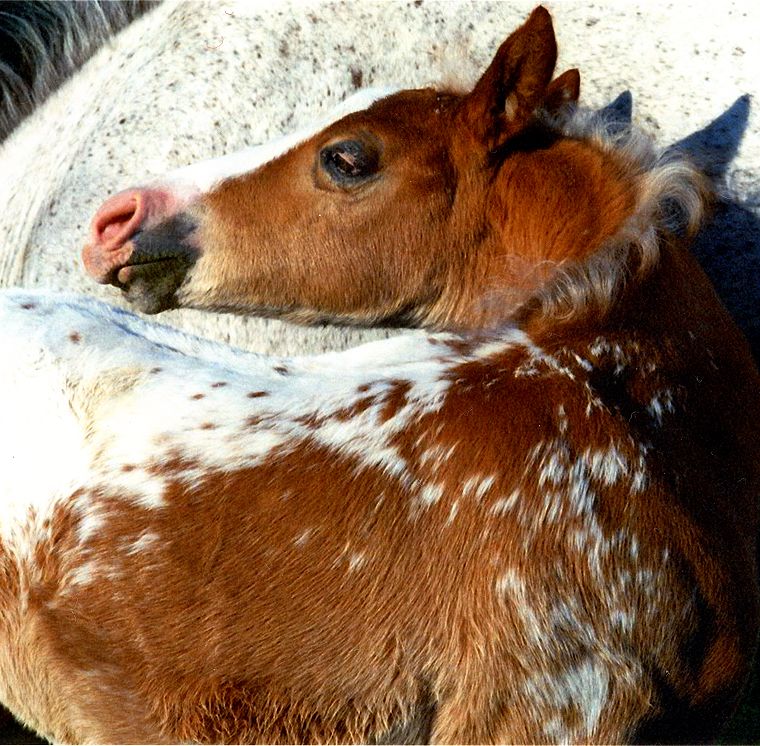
[{"x": 430, "y": 208}]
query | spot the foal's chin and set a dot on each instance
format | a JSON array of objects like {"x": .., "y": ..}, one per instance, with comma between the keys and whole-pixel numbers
[
  {"x": 151, "y": 290},
  {"x": 158, "y": 265}
]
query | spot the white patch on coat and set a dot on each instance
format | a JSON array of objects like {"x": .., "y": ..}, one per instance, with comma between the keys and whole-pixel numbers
[
  {"x": 436, "y": 455},
  {"x": 91, "y": 520},
  {"x": 430, "y": 494},
  {"x": 129, "y": 441},
  {"x": 623, "y": 619},
  {"x": 562, "y": 421},
  {"x": 569, "y": 486},
  {"x": 582, "y": 362},
  {"x": 508, "y": 338},
  {"x": 453, "y": 512},
  {"x": 84, "y": 574},
  {"x": 553, "y": 470},
  {"x": 541, "y": 364},
  {"x": 512, "y": 589},
  {"x": 484, "y": 486},
  {"x": 510, "y": 584},
  {"x": 660, "y": 404},
  {"x": 570, "y": 480},
  {"x": 356, "y": 561},
  {"x": 134, "y": 406},
  {"x": 599, "y": 347},
  {"x": 170, "y": 415},
  {"x": 44, "y": 457},
  {"x": 608, "y": 466},
  {"x": 478, "y": 485},
  {"x": 349, "y": 559},
  {"x": 143, "y": 543},
  {"x": 585, "y": 687},
  {"x": 504, "y": 504},
  {"x": 469, "y": 485}
]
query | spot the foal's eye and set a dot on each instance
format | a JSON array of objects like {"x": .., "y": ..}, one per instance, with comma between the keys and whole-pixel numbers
[{"x": 349, "y": 162}]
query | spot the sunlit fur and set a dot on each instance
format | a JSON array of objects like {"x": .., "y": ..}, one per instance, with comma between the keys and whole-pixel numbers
[
  {"x": 671, "y": 195},
  {"x": 467, "y": 231},
  {"x": 500, "y": 251}
]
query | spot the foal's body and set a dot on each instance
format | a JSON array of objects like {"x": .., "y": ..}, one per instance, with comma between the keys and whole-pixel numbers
[
  {"x": 539, "y": 526},
  {"x": 298, "y": 553}
]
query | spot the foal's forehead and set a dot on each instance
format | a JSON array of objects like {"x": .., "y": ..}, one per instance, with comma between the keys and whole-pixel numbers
[{"x": 403, "y": 114}]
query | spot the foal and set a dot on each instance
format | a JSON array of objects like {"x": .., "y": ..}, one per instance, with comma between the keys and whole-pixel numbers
[{"x": 535, "y": 521}]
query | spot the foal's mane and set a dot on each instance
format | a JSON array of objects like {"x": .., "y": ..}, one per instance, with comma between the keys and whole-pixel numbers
[{"x": 671, "y": 195}]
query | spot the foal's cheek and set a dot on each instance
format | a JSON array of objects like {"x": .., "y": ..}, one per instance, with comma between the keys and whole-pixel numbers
[
  {"x": 203, "y": 287},
  {"x": 227, "y": 273},
  {"x": 207, "y": 272}
]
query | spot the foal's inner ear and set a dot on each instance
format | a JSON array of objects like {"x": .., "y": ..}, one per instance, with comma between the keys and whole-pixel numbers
[
  {"x": 514, "y": 85},
  {"x": 562, "y": 93}
]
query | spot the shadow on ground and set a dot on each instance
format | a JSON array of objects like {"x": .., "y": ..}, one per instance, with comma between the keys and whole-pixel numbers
[{"x": 12, "y": 732}]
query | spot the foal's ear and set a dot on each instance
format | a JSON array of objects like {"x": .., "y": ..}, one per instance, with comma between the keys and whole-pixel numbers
[
  {"x": 562, "y": 93},
  {"x": 514, "y": 85}
]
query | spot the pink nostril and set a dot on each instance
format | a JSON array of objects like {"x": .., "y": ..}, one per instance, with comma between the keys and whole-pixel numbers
[
  {"x": 115, "y": 224},
  {"x": 118, "y": 219}
]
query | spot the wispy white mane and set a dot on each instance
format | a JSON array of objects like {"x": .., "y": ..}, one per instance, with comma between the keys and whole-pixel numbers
[{"x": 671, "y": 196}]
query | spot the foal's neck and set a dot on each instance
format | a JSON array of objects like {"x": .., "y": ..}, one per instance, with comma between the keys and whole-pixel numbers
[{"x": 548, "y": 209}]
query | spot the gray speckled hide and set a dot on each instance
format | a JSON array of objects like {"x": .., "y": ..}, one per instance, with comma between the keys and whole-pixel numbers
[{"x": 190, "y": 81}]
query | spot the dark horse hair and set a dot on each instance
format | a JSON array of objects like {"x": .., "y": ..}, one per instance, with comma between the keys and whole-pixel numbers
[{"x": 43, "y": 43}]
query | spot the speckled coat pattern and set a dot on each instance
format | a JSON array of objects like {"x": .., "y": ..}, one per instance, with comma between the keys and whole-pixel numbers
[{"x": 193, "y": 81}]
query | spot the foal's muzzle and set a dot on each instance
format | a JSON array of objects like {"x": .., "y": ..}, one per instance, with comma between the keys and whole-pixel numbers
[
  {"x": 143, "y": 242},
  {"x": 158, "y": 264}
]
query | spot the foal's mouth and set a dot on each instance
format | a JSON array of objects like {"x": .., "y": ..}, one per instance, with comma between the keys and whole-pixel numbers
[
  {"x": 158, "y": 264},
  {"x": 149, "y": 271}
]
